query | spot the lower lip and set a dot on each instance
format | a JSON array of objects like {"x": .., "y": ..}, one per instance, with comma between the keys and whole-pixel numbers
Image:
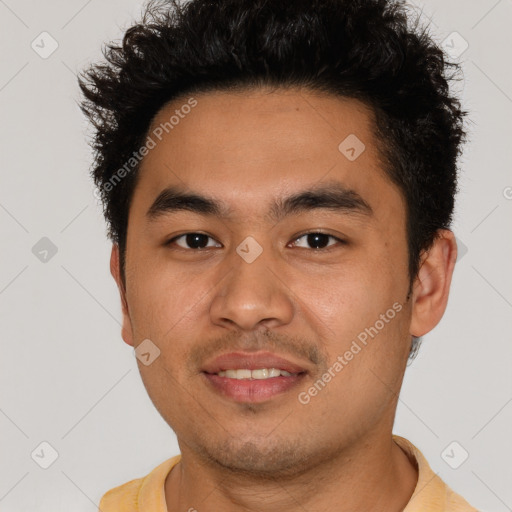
[{"x": 253, "y": 390}]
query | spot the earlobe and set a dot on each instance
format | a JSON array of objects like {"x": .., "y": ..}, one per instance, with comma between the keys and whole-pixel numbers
[
  {"x": 432, "y": 284},
  {"x": 115, "y": 270}
]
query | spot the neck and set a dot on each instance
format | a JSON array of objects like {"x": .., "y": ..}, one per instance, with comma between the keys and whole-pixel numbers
[{"x": 372, "y": 475}]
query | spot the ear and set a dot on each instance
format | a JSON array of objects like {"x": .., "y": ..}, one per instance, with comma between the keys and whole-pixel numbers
[
  {"x": 115, "y": 270},
  {"x": 432, "y": 284}
]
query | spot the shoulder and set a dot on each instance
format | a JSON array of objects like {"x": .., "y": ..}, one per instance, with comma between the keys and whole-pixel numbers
[
  {"x": 456, "y": 503},
  {"x": 122, "y": 498},
  {"x": 135, "y": 495},
  {"x": 431, "y": 493}
]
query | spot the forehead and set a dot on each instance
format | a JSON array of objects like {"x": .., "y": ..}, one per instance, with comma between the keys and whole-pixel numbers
[{"x": 248, "y": 145}]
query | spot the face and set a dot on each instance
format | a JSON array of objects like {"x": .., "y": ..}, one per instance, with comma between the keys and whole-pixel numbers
[{"x": 272, "y": 247}]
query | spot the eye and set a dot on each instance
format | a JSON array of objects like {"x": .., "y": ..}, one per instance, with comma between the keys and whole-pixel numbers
[
  {"x": 317, "y": 239},
  {"x": 193, "y": 241}
]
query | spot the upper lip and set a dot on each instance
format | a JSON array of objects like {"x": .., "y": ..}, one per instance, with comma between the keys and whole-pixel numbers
[{"x": 251, "y": 361}]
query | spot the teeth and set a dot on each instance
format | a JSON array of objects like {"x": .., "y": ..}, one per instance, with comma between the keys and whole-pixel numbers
[{"x": 263, "y": 373}]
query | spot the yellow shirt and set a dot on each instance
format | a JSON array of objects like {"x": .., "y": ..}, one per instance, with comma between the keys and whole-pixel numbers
[{"x": 147, "y": 494}]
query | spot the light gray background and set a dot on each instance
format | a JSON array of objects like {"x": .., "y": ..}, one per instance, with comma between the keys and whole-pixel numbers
[{"x": 66, "y": 376}]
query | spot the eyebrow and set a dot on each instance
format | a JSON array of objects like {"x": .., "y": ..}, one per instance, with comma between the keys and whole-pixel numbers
[{"x": 329, "y": 196}]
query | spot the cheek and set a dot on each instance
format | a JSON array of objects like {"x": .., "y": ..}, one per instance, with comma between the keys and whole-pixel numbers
[
  {"x": 163, "y": 297},
  {"x": 360, "y": 316},
  {"x": 345, "y": 299}
]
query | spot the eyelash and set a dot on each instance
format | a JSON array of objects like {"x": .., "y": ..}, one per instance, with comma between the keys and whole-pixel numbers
[{"x": 323, "y": 249}]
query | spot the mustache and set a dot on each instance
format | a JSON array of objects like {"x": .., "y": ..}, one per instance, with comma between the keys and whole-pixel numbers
[{"x": 255, "y": 341}]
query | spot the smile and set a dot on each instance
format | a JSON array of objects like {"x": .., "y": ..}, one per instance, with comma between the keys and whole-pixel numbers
[{"x": 262, "y": 373}]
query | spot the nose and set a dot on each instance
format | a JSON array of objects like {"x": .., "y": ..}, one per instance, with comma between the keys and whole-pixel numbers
[{"x": 252, "y": 295}]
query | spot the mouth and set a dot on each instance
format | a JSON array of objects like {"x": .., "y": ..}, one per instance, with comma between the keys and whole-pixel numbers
[
  {"x": 259, "y": 374},
  {"x": 252, "y": 377}
]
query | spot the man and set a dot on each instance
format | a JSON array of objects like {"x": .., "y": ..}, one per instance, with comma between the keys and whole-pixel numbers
[{"x": 278, "y": 178}]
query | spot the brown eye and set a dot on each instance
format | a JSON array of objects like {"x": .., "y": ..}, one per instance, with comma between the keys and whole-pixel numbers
[
  {"x": 194, "y": 241},
  {"x": 317, "y": 240}
]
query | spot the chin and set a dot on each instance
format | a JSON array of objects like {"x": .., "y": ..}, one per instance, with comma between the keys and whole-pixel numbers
[{"x": 264, "y": 459}]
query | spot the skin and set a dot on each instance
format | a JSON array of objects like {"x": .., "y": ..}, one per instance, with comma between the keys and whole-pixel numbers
[{"x": 247, "y": 149}]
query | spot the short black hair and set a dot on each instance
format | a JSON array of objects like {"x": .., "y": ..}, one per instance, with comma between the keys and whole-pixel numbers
[{"x": 369, "y": 50}]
